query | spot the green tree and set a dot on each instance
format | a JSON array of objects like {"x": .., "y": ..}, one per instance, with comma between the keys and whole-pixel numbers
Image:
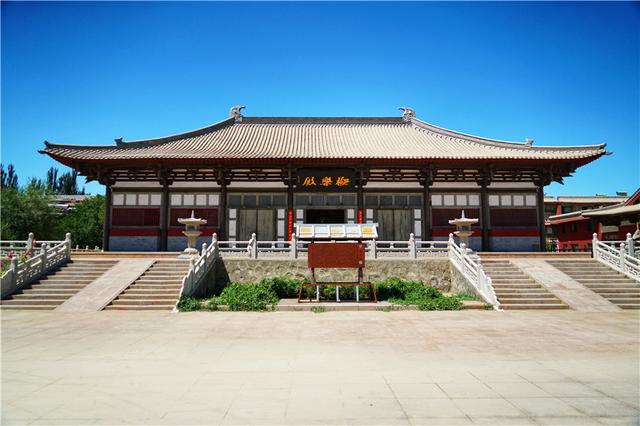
[
  {"x": 8, "y": 179},
  {"x": 85, "y": 222},
  {"x": 28, "y": 210},
  {"x": 52, "y": 180}
]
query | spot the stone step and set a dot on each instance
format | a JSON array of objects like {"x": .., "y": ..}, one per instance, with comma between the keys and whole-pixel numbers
[
  {"x": 146, "y": 301},
  {"x": 60, "y": 286},
  {"x": 604, "y": 278},
  {"x": 613, "y": 287},
  {"x": 623, "y": 300},
  {"x": 156, "y": 286},
  {"x": 159, "y": 282},
  {"x": 152, "y": 291},
  {"x": 533, "y": 306},
  {"x": 513, "y": 295},
  {"x": 529, "y": 301},
  {"x": 522, "y": 290},
  {"x": 140, "y": 307},
  {"x": 161, "y": 275},
  {"x": 50, "y": 290},
  {"x": 42, "y": 295},
  {"x": 64, "y": 281},
  {"x": 26, "y": 302},
  {"x": 147, "y": 296},
  {"x": 620, "y": 294},
  {"x": 516, "y": 285},
  {"x": 629, "y": 305},
  {"x": 3, "y": 306}
]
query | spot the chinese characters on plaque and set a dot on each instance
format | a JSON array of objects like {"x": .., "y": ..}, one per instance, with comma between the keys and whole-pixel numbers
[{"x": 326, "y": 179}]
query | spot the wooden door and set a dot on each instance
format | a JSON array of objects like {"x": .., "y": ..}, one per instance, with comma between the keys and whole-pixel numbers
[
  {"x": 394, "y": 224},
  {"x": 385, "y": 225},
  {"x": 402, "y": 221},
  {"x": 266, "y": 225},
  {"x": 258, "y": 221}
]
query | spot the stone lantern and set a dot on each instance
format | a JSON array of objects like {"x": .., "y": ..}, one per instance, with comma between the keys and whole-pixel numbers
[
  {"x": 191, "y": 231},
  {"x": 463, "y": 226}
]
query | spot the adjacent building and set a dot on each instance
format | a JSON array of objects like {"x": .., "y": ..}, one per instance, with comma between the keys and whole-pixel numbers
[
  {"x": 264, "y": 174},
  {"x": 575, "y": 230},
  {"x": 574, "y": 203}
]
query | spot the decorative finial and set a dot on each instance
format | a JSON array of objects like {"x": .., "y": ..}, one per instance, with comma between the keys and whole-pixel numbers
[
  {"x": 407, "y": 113},
  {"x": 119, "y": 141},
  {"x": 463, "y": 215},
  {"x": 236, "y": 112},
  {"x": 528, "y": 141}
]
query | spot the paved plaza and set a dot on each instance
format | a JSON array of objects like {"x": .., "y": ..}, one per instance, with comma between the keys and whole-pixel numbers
[{"x": 407, "y": 367}]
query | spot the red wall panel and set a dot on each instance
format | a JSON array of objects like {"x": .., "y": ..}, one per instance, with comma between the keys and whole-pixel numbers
[
  {"x": 122, "y": 216},
  {"x": 513, "y": 217},
  {"x": 210, "y": 215},
  {"x": 441, "y": 217}
]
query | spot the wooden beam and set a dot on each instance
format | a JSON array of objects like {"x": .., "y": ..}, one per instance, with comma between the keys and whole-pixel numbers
[
  {"x": 164, "y": 216},
  {"x": 541, "y": 227},
  {"x": 485, "y": 217},
  {"x": 107, "y": 219}
]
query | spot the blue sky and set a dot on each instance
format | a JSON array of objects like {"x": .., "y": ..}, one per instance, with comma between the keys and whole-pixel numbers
[{"x": 562, "y": 73}]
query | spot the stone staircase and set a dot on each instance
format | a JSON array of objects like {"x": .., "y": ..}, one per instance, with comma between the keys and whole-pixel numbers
[
  {"x": 516, "y": 290},
  {"x": 54, "y": 288},
  {"x": 608, "y": 283},
  {"x": 157, "y": 289}
]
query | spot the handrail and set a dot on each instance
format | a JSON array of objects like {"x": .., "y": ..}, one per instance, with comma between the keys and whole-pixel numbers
[
  {"x": 623, "y": 259},
  {"x": 295, "y": 248},
  {"x": 49, "y": 258},
  {"x": 472, "y": 270},
  {"x": 199, "y": 268}
]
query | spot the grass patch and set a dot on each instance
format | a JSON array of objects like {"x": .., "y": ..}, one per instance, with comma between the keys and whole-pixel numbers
[
  {"x": 189, "y": 304},
  {"x": 265, "y": 295},
  {"x": 248, "y": 297},
  {"x": 318, "y": 309},
  {"x": 411, "y": 292}
]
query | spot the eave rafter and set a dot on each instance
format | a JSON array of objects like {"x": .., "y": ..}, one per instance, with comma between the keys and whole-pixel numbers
[{"x": 425, "y": 175}]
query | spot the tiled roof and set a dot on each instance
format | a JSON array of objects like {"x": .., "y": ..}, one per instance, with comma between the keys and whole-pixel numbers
[
  {"x": 630, "y": 205},
  {"x": 269, "y": 138},
  {"x": 588, "y": 199}
]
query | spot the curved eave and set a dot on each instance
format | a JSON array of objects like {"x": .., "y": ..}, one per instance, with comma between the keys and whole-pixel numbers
[{"x": 71, "y": 161}]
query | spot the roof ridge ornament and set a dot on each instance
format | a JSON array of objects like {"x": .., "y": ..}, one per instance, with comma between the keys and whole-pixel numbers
[
  {"x": 236, "y": 113},
  {"x": 528, "y": 141},
  {"x": 407, "y": 113},
  {"x": 119, "y": 141}
]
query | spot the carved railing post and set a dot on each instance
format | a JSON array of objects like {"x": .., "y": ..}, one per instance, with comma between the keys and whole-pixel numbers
[
  {"x": 413, "y": 252},
  {"x": 253, "y": 247},
  {"x": 29, "y": 245},
  {"x": 374, "y": 249},
  {"x": 630, "y": 245},
  {"x": 294, "y": 246},
  {"x": 14, "y": 272},
  {"x": 67, "y": 245},
  {"x": 43, "y": 253},
  {"x": 214, "y": 242},
  {"x": 594, "y": 246},
  {"x": 622, "y": 254}
]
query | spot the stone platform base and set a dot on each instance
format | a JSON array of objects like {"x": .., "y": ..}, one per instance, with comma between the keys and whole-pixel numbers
[{"x": 293, "y": 305}]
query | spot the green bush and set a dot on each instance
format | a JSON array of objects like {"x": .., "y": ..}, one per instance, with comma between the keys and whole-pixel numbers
[
  {"x": 189, "y": 304},
  {"x": 285, "y": 288},
  {"x": 248, "y": 297},
  {"x": 410, "y": 292}
]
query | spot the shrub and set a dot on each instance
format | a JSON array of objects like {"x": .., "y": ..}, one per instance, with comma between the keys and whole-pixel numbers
[
  {"x": 283, "y": 287},
  {"x": 189, "y": 304},
  {"x": 410, "y": 292},
  {"x": 248, "y": 297}
]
